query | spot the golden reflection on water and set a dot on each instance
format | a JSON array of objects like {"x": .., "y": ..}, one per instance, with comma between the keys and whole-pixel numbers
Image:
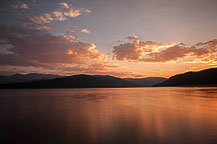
[{"x": 125, "y": 115}]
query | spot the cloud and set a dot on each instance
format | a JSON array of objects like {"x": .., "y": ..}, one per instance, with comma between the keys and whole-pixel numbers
[
  {"x": 63, "y": 4},
  {"x": 85, "y": 31},
  {"x": 62, "y": 13},
  {"x": 72, "y": 13},
  {"x": 72, "y": 33},
  {"x": 86, "y": 10},
  {"x": 59, "y": 15},
  {"x": 20, "y": 5},
  {"x": 68, "y": 12},
  {"x": 38, "y": 48},
  {"x": 15, "y": 7},
  {"x": 40, "y": 19},
  {"x": 16, "y": 4},
  {"x": 36, "y": 21},
  {"x": 139, "y": 51},
  {"x": 99, "y": 68}
]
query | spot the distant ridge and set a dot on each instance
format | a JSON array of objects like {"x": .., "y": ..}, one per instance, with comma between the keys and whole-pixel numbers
[
  {"x": 17, "y": 78},
  {"x": 207, "y": 77},
  {"x": 146, "y": 82},
  {"x": 84, "y": 81},
  {"x": 75, "y": 81}
]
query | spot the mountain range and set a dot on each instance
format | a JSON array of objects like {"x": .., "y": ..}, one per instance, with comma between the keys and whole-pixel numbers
[
  {"x": 75, "y": 81},
  {"x": 207, "y": 77},
  {"x": 17, "y": 78}
]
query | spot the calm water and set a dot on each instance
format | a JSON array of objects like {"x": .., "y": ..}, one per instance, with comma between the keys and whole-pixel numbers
[{"x": 107, "y": 116}]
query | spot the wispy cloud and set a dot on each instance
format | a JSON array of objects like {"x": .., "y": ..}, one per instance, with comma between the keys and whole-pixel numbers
[
  {"x": 20, "y": 4},
  {"x": 15, "y": 4},
  {"x": 85, "y": 31},
  {"x": 72, "y": 13},
  {"x": 64, "y": 4},
  {"x": 63, "y": 13},
  {"x": 59, "y": 15},
  {"x": 15, "y": 7}
]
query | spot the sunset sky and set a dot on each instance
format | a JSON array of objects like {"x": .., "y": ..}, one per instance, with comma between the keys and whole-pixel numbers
[{"x": 124, "y": 38}]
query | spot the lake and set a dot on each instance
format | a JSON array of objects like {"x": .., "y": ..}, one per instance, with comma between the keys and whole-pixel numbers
[{"x": 170, "y": 115}]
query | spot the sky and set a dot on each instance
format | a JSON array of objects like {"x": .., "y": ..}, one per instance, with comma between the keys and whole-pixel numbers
[{"x": 124, "y": 38}]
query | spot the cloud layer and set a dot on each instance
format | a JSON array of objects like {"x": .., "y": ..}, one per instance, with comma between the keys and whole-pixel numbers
[
  {"x": 139, "y": 51},
  {"x": 33, "y": 47}
]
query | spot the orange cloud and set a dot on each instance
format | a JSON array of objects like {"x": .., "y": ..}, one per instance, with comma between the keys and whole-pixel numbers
[
  {"x": 64, "y": 12},
  {"x": 59, "y": 15},
  {"x": 38, "y": 48},
  {"x": 19, "y": 4},
  {"x": 15, "y": 7},
  {"x": 139, "y": 51},
  {"x": 63, "y": 4},
  {"x": 85, "y": 31},
  {"x": 72, "y": 13},
  {"x": 40, "y": 19}
]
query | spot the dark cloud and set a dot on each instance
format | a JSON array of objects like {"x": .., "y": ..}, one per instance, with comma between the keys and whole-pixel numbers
[{"x": 34, "y": 47}]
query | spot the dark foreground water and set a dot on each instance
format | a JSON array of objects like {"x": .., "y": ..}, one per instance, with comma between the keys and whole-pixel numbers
[{"x": 109, "y": 116}]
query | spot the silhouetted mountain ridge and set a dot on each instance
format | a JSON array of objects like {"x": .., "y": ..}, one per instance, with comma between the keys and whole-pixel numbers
[
  {"x": 149, "y": 81},
  {"x": 200, "y": 78},
  {"x": 17, "y": 78},
  {"x": 78, "y": 81}
]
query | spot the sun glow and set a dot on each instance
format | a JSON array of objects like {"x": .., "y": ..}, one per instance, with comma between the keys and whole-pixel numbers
[{"x": 70, "y": 52}]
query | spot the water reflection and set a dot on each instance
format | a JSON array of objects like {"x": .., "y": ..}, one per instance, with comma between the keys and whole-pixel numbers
[{"x": 107, "y": 116}]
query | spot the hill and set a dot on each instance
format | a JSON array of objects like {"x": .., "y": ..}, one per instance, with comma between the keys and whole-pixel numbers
[
  {"x": 207, "y": 77},
  {"x": 18, "y": 78},
  {"x": 146, "y": 82},
  {"x": 75, "y": 81}
]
